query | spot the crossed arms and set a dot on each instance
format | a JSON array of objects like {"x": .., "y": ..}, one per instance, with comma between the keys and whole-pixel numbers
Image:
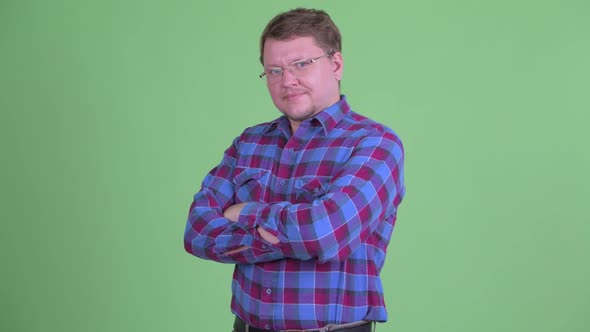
[{"x": 361, "y": 197}]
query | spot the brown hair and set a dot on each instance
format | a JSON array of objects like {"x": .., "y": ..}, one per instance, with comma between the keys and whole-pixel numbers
[{"x": 303, "y": 22}]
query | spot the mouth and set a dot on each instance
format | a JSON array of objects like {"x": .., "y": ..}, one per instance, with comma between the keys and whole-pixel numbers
[{"x": 293, "y": 96}]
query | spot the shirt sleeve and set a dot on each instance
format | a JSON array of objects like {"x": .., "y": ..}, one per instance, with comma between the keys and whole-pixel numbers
[
  {"x": 209, "y": 235},
  {"x": 364, "y": 193}
]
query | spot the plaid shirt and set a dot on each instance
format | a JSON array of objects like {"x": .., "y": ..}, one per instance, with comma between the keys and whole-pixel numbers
[{"x": 329, "y": 193}]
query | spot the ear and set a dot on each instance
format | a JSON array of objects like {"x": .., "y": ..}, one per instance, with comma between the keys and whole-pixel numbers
[{"x": 337, "y": 65}]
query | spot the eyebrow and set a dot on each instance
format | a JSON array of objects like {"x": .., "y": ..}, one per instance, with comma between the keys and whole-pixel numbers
[{"x": 296, "y": 60}]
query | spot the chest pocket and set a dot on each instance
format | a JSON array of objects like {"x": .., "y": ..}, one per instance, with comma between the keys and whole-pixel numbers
[
  {"x": 251, "y": 184},
  {"x": 308, "y": 190}
]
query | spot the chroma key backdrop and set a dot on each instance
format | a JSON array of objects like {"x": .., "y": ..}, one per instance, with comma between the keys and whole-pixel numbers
[{"x": 112, "y": 112}]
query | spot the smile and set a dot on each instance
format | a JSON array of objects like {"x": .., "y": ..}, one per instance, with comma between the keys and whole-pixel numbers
[{"x": 293, "y": 96}]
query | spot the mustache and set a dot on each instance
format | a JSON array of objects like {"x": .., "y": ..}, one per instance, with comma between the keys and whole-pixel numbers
[{"x": 290, "y": 93}]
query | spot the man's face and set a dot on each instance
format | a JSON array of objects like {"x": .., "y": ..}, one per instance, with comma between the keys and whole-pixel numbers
[{"x": 302, "y": 94}]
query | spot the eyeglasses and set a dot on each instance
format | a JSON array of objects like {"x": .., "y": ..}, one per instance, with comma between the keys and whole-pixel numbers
[{"x": 296, "y": 68}]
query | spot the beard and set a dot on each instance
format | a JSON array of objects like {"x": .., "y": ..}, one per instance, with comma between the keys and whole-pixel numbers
[
  {"x": 300, "y": 108},
  {"x": 301, "y": 116}
]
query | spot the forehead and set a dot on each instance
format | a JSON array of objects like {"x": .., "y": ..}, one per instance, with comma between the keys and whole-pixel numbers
[{"x": 277, "y": 52}]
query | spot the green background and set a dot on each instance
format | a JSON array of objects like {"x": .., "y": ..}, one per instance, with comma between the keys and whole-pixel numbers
[{"x": 113, "y": 111}]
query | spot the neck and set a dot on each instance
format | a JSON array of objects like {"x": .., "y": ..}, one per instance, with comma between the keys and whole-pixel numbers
[{"x": 294, "y": 126}]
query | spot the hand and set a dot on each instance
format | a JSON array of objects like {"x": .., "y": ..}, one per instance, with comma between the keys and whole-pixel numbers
[
  {"x": 233, "y": 212},
  {"x": 242, "y": 248},
  {"x": 267, "y": 236},
  {"x": 264, "y": 234}
]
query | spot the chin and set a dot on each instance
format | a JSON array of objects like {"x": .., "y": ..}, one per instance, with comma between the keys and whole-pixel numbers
[{"x": 298, "y": 113}]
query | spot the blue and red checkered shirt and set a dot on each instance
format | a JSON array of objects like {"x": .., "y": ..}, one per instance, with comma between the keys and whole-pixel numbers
[{"x": 329, "y": 193}]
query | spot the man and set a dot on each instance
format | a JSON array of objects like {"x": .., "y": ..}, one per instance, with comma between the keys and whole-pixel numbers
[{"x": 303, "y": 205}]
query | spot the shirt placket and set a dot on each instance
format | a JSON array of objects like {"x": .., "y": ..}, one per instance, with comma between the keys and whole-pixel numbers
[
  {"x": 269, "y": 297},
  {"x": 287, "y": 161}
]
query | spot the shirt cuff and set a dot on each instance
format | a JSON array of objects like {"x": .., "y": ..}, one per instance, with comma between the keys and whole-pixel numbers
[
  {"x": 250, "y": 215},
  {"x": 257, "y": 214}
]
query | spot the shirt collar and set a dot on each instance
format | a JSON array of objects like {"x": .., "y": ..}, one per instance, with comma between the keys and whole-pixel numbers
[
  {"x": 331, "y": 116},
  {"x": 328, "y": 118}
]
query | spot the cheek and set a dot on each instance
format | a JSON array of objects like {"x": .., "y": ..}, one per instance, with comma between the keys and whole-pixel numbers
[
  {"x": 309, "y": 83},
  {"x": 274, "y": 93}
]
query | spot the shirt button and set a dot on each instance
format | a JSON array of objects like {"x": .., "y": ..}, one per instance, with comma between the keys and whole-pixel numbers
[
  {"x": 290, "y": 149},
  {"x": 268, "y": 291},
  {"x": 315, "y": 190},
  {"x": 267, "y": 327},
  {"x": 283, "y": 182}
]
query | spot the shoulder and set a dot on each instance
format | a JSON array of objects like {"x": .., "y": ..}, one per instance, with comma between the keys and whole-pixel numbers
[
  {"x": 360, "y": 126},
  {"x": 259, "y": 130}
]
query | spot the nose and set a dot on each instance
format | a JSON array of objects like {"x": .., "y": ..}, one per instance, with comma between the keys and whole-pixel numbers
[{"x": 288, "y": 78}]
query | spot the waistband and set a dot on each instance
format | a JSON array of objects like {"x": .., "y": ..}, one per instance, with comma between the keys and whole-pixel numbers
[{"x": 361, "y": 326}]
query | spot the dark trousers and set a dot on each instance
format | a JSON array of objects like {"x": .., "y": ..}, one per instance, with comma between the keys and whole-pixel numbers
[{"x": 241, "y": 326}]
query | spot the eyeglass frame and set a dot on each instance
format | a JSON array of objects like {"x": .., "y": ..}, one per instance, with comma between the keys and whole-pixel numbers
[{"x": 311, "y": 61}]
